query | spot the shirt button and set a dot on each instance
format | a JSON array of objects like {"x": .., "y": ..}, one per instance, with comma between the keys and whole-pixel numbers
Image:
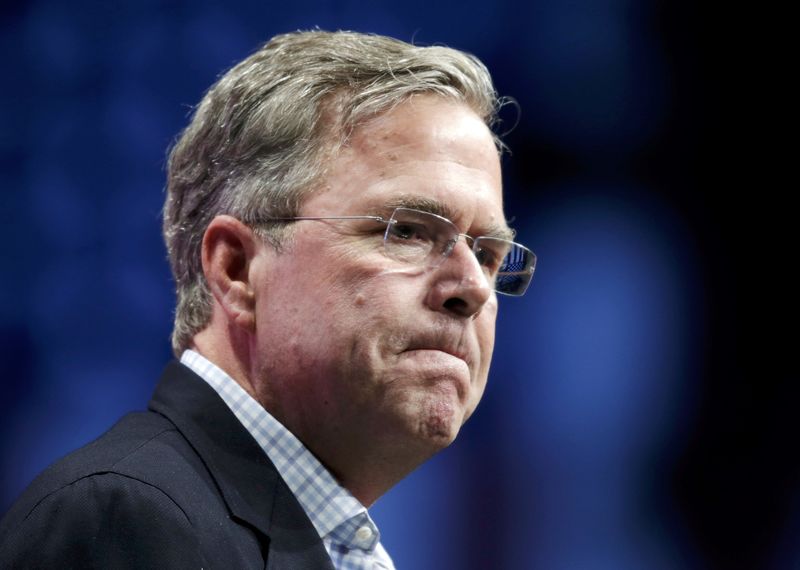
[{"x": 364, "y": 533}]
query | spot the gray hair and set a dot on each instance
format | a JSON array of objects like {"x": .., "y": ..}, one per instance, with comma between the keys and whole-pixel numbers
[{"x": 261, "y": 138}]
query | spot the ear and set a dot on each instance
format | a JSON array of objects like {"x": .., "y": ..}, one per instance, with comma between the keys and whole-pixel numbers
[{"x": 228, "y": 248}]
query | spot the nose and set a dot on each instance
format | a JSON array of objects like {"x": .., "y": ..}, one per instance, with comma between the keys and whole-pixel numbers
[{"x": 460, "y": 287}]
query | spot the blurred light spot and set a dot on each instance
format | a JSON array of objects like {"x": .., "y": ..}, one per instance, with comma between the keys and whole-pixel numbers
[{"x": 604, "y": 331}]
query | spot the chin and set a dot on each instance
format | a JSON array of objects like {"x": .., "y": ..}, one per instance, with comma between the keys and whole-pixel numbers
[
  {"x": 440, "y": 423},
  {"x": 430, "y": 415},
  {"x": 438, "y": 435}
]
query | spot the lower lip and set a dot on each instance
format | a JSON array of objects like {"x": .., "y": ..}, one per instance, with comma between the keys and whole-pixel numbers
[
  {"x": 436, "y": 365},
  {"x": 435, "y": 355}
]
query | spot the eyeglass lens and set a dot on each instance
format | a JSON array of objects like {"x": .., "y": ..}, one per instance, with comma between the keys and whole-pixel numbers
[{"x": 418, "y": 237}]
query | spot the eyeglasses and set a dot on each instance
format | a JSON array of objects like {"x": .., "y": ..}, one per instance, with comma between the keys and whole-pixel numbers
[{"x": 422, "y": 238}]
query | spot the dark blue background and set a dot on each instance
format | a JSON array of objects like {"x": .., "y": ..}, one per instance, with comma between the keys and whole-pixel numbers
[{"x": 639, "y": 399}]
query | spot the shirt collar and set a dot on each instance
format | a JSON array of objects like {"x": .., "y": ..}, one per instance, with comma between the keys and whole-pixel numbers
[{"x": 332, "y": 509}]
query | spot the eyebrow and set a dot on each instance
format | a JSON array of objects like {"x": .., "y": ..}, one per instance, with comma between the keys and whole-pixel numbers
[{"x": 432, "y": 206}]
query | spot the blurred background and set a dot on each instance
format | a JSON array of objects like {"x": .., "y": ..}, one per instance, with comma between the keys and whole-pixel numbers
[{"x": 640, "y": 412}]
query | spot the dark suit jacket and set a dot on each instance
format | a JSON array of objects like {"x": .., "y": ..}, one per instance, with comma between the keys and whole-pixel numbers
[{"x": 183, "y": 485}]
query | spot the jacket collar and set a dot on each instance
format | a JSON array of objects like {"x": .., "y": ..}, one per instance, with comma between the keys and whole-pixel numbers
[{"x": 249, "y": 483}]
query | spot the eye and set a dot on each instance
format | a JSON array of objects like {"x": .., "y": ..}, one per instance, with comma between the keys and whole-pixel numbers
[
  {"x": 492, "y": 254},
  {"x": 488, "y": 259},
  {"x": 409, "y": 231}
]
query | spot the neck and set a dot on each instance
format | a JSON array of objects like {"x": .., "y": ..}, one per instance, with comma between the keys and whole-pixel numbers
[
  {"x": 366, "y": 459},
  {"x": 364, "y": 463}
]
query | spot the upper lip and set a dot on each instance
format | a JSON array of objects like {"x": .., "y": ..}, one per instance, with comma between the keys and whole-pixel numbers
[{"x": 444, "y": 345}]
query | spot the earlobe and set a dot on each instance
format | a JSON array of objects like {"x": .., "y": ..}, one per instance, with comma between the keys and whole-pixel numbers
[
  {"x": 240, "y": 305},
  {"x": 228, "y": 247}
]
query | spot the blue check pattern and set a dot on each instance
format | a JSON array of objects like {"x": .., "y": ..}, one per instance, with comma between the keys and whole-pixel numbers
[{"x": 347, "y": 531}]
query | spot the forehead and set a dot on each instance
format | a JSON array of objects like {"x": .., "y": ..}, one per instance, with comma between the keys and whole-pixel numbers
[{"x": 428, "y": 152}]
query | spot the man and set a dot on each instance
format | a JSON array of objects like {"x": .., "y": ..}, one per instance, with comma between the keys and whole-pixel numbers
[{"x": 335, "y": 227}]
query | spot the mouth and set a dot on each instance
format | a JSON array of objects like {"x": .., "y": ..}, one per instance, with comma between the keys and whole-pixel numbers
[
  {"x": 442, "y": 368},
  {"x": 440, "y": 345},
  {"x": 460, "y": 355},
  {"x": 450, "y": 350}
]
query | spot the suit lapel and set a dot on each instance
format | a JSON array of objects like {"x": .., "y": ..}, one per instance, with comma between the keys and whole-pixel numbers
[{"x": 250, "y": 485}]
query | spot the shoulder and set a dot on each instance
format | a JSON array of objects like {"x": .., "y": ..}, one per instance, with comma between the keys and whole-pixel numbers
[
  {"x": 114, "y": 503},
  {"x": 139, "y": 446},
  {"x": 102, "y": 520}
]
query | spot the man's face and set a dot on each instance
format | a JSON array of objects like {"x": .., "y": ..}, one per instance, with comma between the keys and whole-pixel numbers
[{"x": 354, "y": 346}]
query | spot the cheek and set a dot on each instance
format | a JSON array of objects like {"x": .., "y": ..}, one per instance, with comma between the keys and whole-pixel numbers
[
  {"x": 485, "y": 331},
  {"x": 379, "y": 316},
  {"x": 378, "y": 288},
  {"x": 486, "y": 340},
  {"x": 485, "y": 326}
]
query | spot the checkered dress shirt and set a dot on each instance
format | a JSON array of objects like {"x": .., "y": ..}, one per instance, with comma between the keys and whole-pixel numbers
[{"x": 348, "y": 533}]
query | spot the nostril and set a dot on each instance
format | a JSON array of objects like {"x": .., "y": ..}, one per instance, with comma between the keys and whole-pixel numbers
[{"x": 456, "y": 305}]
